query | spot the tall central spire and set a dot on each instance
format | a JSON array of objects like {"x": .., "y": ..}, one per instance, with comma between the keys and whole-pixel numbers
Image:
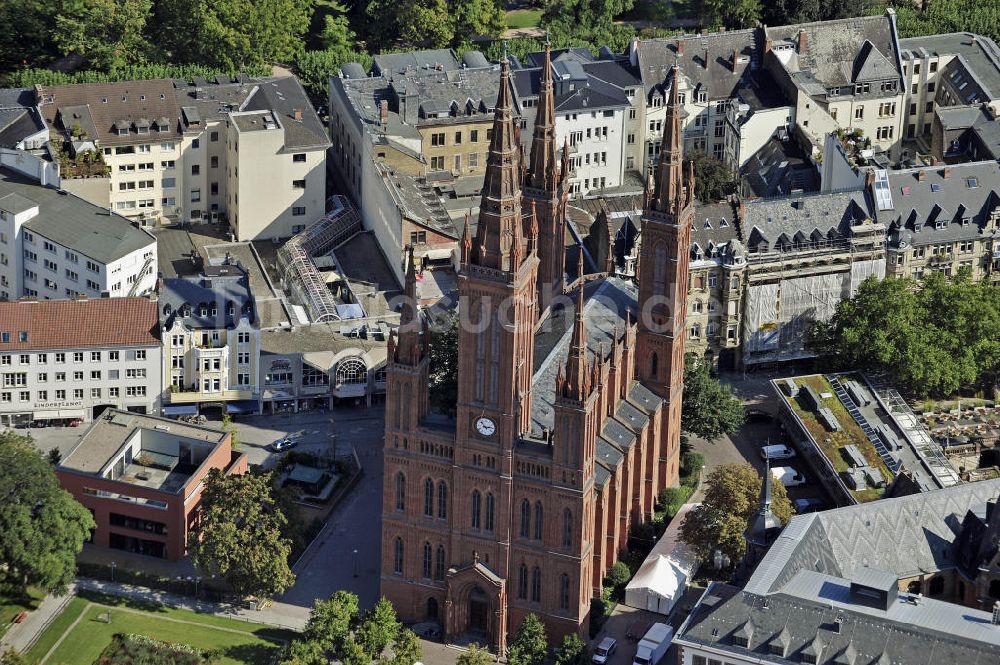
[
  {"x": 499, "y": 234},
  {"x": 544, "y": 151},
  {"x": 670, "y": 172}
]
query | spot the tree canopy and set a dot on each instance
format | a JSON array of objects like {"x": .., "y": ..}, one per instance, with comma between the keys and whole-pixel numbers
[
  {"x": 708, "y": 408},
  {"x": 931, "y": 337},
  {"x": 530, "y": 644},
  {"x": 331, "y": 620},
  {"x": 378, "y": 628},
  {"x": 732, "y": 499},
  {"x": 475, "y": 655},
  {"x": 572, "y": 651},
  {"x": 444, "y": 365},
  {"x": 588, "y": 21},
  {"x": 713, "y": 180},
  {"x": 239, "y": 535},
  {"x": 42, "y": 527}
]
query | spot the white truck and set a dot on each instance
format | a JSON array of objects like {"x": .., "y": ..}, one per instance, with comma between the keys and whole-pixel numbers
[{"x": 653, "y": 645}]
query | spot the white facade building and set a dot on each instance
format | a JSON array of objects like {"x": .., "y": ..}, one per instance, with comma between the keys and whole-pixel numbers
[
  {"x": 70, "y": 359},
  {"x": 55, "y": 245}
]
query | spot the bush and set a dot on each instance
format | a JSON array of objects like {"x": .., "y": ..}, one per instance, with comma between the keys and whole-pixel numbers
[
  {"x": 673, "y": 498},
  {"x": 141, "y": 650},
  {"x": 690, "y": 472}
]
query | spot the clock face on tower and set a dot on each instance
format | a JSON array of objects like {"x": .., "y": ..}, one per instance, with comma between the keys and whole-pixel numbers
[{"x": 485, "y": 426}]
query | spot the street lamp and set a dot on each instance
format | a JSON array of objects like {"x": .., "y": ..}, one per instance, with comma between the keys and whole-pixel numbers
[
  {"x": 355, "y": 563},
  {"x": 113, "y": 565}
]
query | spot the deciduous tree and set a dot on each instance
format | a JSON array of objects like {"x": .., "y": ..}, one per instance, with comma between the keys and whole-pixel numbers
[
  {"x": 109, "y": 33},
  {"x": 474, "y": 18},
  {"x": 572, "y": 651},
  {"x": 530, "y": 644},
  {"x": 42, "y": 527},
  {"x": 378, "y": 628},
  {"x": 238, "y": 536},
  {"x": 444, "y": 365},
  {"x": 331, "y": 620},
  {"x": 713, "y": 180},
  {"x": 406, "y": 649},
  {"x": 476, "y": 655},
  {"x": 732, "y": 499},
  {"x": 708, "y": 408}
]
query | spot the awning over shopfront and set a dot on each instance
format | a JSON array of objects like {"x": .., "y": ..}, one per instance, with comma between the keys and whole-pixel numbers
[
  {"x": 181, "y": 410},
  {"x": 58, "y": 414},
  {"x": 242, "y": 407}
]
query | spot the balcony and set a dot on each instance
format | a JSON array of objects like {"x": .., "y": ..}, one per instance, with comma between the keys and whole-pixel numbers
[{"x": 195, "y": 396}]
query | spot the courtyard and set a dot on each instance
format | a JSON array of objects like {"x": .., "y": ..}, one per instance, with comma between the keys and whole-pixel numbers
[{"x": 87, "y": 625}]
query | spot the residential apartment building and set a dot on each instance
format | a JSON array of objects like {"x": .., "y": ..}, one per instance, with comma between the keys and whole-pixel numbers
[
  {"x": 65, "y": 360},
  {"x": 762, "y": 270},
  {"x": 55, "y": 245},
  {"x": 950, "y": 79},
  {"x": 211, "y": 342},
  {"x": 907, "y": 580},
  {"x": 841, "y": 74},
  {"x": 731, "y": 104},
  {"x": 21, "y": 126},
  {"x": 943, "y": 218},
  {"x": 172, "y": 150},
  {"x": 141, "y": 477}
]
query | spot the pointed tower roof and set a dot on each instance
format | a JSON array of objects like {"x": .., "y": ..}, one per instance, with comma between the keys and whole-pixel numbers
[
  {"x": 408, "y": 348},
  {"x": 765, "y": 526},
  {"x": 500, "y": 209},
  {"x": 577, "y": 376},
  {"x": 544, "y": 151},
  {"x": 669, "y": 173}
]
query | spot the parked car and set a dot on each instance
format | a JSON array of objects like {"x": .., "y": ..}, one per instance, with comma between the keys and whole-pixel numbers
[
  {"x": 76, "y": 422},
  {"x": 653, "y": 645},
  {"x": 811, "y": 505},
  {"x": 282, "y": 445},
  {"x": 604, "y": 650},
  {"x": 788, "y": 476},
  {"x": 779, "y": 451}
]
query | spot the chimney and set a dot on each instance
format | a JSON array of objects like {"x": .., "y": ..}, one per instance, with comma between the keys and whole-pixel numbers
[
  {"x": 921, "y": 175},
  {"x": 869, "y": 179},
  {"x": 734, "y": 59},
  {"x": 996, "y": 613},
  {"x": 297, "y": 114},
  {"x": 705, "y": 56},
  {"x": 383, "y": 113},
  {"x": 680, "y": 47},
  {"x": 768, "y": 45},
  {"x": 945, "y": 173},
  {"x": 803, "y": 41}
]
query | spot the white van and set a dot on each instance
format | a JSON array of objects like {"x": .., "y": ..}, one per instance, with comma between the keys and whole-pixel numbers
[
  {"x": 788, "y": 476},
  {"x": 779, "y": 451}
]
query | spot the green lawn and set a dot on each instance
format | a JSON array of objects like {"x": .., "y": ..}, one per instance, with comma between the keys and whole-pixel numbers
[
  {"x": 11, "y": 607},
  {"x": 524, "y": 18},
  {"x": 242, "y": 643}
]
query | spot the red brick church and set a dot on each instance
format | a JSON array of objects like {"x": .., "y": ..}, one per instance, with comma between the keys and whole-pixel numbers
[{"x": 568, "y": 414}]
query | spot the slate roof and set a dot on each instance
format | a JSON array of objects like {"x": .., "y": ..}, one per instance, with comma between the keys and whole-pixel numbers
[
  {"x": 394, "y": 63},
  {"x": 73, "y": 324},
  {"x": 904, "y": 536},
  {"x": 777, "y": 168},
  {"x": 70, "y": 221},
  {"x": 803, "y": 216},
  {"x": 917, "y": 205},
  {"x": 606, "y": 303},
  {"x": 18, "y": 118},
  {"x": 979, "y": 56},
  {"x": 285, "y": 95},
  {"x": 838, "y": 52},
  {"x": 816, "y": 613},
  {"x": 182, "y": 297},
  {"x": 597, "y": 84}
]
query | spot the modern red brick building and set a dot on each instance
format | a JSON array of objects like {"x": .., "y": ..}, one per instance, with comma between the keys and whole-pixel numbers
[
  {"x": 141, "y": 478},
  {"x": 568, "y": 417}
]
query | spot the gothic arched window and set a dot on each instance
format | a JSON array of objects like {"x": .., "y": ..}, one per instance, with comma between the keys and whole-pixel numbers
[
  {"x": 429, "y": 497},
  {"x": 538, "y": 520},
  {"x": 400, "y": 491},
  {"x": 442, "y": 500},
  {"x": 397, "y": 562},
  {"x": 476, "y": 507},
  {"x": 525, "y": 519}
]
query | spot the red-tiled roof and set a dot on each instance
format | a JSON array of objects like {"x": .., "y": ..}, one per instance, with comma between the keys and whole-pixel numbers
[{"x": 72, "y": 324}]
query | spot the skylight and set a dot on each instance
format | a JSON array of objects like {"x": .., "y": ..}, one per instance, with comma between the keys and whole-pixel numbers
[
  {"x": 906, "y": 191},
  {"x": 935, "y": 187},
  {"x": 972, "y": 182}
]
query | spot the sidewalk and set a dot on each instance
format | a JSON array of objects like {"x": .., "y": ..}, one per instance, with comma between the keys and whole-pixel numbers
[
  {"x": 21, "y": 636},
  {"x": 281, "y": 615}
]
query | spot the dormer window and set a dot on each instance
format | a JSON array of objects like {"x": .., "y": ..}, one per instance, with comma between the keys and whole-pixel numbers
[
  {"x": 203, "y": 311},
  {"x": 966, "y": 221},
  {"x": 741, "y": 641},
  {"x": 940, "y": 224}
]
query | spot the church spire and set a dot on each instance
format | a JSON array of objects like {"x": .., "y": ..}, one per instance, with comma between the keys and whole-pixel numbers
[
  {"x": 577, "y": 374},
  {"x": 408, "y": 350},
  {"x": 667, "y": 196},
  {"x": 500, "y": 209},
  {"x": 544, "y": 150},
  {"x": 766, "y": 525}
]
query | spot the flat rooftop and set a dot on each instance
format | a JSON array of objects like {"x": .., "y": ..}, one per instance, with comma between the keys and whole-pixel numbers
[
  {"x": 836, "y": 445},
  {"x": 143, "y": 450}
]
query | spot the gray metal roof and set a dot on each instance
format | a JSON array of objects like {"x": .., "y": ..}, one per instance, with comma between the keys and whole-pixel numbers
[
  {"x": 979, "y": 55},
  {"x": 815, "y": 612},
  {"x": 395, "y": 63},
  {"x": 72, "y": 222},
  {"x": 970, "y": 191}
]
